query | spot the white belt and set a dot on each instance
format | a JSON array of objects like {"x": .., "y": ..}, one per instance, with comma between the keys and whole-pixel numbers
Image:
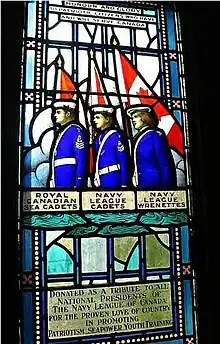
[
  {"x": 108, "y": 169},
  {"x": 64, "y": 161}
]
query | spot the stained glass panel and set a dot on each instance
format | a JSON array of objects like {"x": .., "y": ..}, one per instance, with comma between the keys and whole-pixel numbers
[{"x": 105, "y": 176}]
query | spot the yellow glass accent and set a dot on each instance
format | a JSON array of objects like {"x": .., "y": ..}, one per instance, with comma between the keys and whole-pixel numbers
[
  {"x": 68, "y": 243},
  {"x": 123, "y": 246}
]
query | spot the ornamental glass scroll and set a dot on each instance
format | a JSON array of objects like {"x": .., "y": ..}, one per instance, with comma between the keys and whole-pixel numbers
[{"x": 105, "y": 205}]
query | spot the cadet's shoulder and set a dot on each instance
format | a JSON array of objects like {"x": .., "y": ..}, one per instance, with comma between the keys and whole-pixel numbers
[
  {"x": 111, "y": 134},
  {"x": 76, "y": 128},
  {"x": 118, "y": 133},
  {"x": 157, "y": 133},
  {"x": 159, "y": 137},
  {"x": 115, "y": 133},
  {"x": 145, "y": 134},
  {"x": 152, "y": 133}
]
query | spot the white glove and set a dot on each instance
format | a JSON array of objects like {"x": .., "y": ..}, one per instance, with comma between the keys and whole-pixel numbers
[
  {"x": 134, "y": 179},
  {"x": 52, "y": 185},
  {"x": 96, "y": 181}
]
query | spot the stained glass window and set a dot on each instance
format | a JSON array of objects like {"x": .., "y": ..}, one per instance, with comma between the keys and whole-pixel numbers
[{"x": 105, "y": 178}]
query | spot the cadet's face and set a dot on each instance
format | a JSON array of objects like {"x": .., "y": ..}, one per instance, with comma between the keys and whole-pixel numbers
[
  {"x": 137, "y": 121},
  {"x": 100, "y": 121},
  {"x": 60, "y": 116}
]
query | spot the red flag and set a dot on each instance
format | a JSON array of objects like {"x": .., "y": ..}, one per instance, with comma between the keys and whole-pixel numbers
[
  {"x": 133, "y": 84},
  {"x": 101, "y": 99},
  {"x": 64, "y": 84},
  {"x": 96, "y": 86},
  {"x": 98, "y": 98},
  {"x": 67, "y": 90}
]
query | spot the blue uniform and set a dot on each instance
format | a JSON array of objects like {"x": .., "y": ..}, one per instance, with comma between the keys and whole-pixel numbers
[
  {"x": 111, "y": 160},
  {"x": 69, "y": 158},
  {"x": 154, "y": 164}
]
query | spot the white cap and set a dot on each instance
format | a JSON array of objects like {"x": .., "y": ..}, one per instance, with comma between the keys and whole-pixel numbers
[
  {"x": 63, "y": 103},
  {"x": 130, "y": 111},
  {"x": 100, "y": 109}
]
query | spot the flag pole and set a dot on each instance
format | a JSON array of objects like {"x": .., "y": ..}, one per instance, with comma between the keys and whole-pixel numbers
[
  {"x": 101, "y": 81},
  {"x": 87, "y": 101},
  {"x": 126, "y": 123},
  {"x": 91, "y": 54},
  {"x": 59, "y": 64}
]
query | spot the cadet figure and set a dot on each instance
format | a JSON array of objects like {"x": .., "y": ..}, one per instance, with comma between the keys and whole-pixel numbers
[
  {"x": 111, "y": 168},
  {"x": 69, "y": 157},
  {"x": 153, "y": 161}
]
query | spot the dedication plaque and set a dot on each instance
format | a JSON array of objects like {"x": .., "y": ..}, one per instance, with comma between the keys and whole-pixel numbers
[
  {"x": 110, "y": 309},
  {"x": 104, "y": 176}
]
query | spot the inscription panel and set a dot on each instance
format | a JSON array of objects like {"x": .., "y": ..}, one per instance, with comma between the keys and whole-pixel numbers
[
  {"x": 68, "y": 201},
  {"x": 50, "y": 201},
  {"x": 161, "y": 199},
  {"x": 93, "y": 311},
  {"x": 108, "y": 200}
]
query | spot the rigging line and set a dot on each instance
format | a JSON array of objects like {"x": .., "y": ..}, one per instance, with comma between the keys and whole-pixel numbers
[
  {"x": 151, "y": 41},
  {"x": 148, "y": 32},
  {"x": 94, "y": 34},
  {"x": 156, "y": 80},
  {"x": 89, "y": 33},
  {"x": 89, "y": 79}
]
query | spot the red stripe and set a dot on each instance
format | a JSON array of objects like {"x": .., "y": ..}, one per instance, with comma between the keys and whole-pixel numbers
[
  {"x": 175, "y": 138},
  {"x": 159, "y": 108},
  {"x": 91, "y": 160},
  {"x": 101, "y": 99},
  {"x": 66, "y": 84},
  {"x": 128, "y": 72}
]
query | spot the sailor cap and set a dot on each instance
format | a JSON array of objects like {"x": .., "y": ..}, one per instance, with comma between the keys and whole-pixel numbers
[
  {"x": 102, "y": 109},
  {"x": 63, "y": 103},
  {"x": 130, "y": 111}
]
